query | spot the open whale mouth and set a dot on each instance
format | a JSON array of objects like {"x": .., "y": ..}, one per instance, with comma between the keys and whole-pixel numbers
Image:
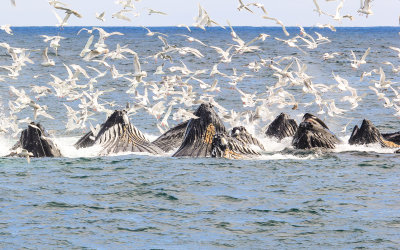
[
  {"x": 200, "y": 132},
  {"x": 369, "y": 134},
  {"x": 118, "y": 135},
  {"x": 282, "y": 127},
  {"x": 35, "y": 141},
  {"x": 206, "y": 136},
  {"x": 313, "y": 133},
  {"x": 241, "y": 134}
]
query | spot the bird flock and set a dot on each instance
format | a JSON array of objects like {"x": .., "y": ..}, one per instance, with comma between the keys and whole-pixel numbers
[{"x": 173, "y": 89}]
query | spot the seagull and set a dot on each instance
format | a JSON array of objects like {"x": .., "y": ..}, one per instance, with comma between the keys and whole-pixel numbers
[
  {"x": 86, "y": 49},
  {"x": 25, "y": 153},
  {"x": 138, "y": 74},
  {"x": 69, "y": 12},
  {"x": 101, "y": 16},
  {"x": 337, "y": 15},
  {"x": 7, "y": 29},
  {"x": 260, "y": 6},
  {"x": 55, "y": 2},
  {"x": 54, "y": 41},
  {"x": 46, "y": 60},
  {"x": 364, "y": 74},
  {"x": 120, "y": 15},
  {"x": 382, "y": 83},
  {"x": 381, "y": 96},
  {"x": 186, "y": 26},
  {"x": 159, "y": 70},
  {"x": 192, "y": 39},
  {"x": 183, "y": 115},
  {"x": 243, "y": 6},
  {"x": 327, "y": 56},
  {"x": 395, "y": 49},
  {"x": 151, "y": 33},
  {"x": 40, "y": 90},
  {"x": 126, "y": 3},
  {"x": 365, "y": 8},
  {"x": 151, "y": 11},
  {"x": 356, "y": 63},
  {"x": 318, "y": 9},
  {"x": 322, "y": 38},
  {"x": 329, "y": 26},
  {"x": 278, "y": 22},
  {"x": 394, "y": 69},
  {"x": 224, "y": 54},
  {"x": 203, "y": 20}
]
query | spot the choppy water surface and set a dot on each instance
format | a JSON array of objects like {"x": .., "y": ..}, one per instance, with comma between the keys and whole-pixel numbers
[{"x": 347, "y": 198}]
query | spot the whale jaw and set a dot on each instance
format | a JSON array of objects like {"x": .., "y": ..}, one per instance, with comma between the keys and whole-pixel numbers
[
  {"x": 240, "y": 133},
  {"x": 34, "y": 140},
  {"x": 369, "y": 134},
  {"x": 171, "y": 139},
  {"x": 313, "y": 133},
  {"x": 118, "y": 135},
  {"x": 224, "y": 146},
  {"x": 200, "y": 133},
  {"x": 282, "y": 127}
]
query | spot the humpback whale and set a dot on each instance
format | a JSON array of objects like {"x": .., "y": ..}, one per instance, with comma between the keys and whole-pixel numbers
[
  {"x": 368, "y": 134},
  {"x": 282, "y": 127},
  {"x": 313, "y": 133},
  {"x": 172, "y": 138},
  {"x": 35, "y": 142},
  {"x": 229, "y": 147},
  {"x": 206, "y": 136},
  {"x": 118, "y": 135},
  {"x": 393, "y": 137},
  {"x": 240, "y": 133}
]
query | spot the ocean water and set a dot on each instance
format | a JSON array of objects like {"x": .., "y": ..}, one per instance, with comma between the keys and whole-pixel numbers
[{"x": 286, "y": 198}]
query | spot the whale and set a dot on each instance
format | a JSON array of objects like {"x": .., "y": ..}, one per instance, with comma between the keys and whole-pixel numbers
[
  {"x": 206, "y": 136},
  {"x": 369, "y": 134},
  {"x": 241, "y": 134},
  {"x": 173, "y": 138},
  {"x": 118, "y": 135},
  {"x": 224, "y": 146},
  {"x": 281, "y": 127},
  {"x": 313, "y": 133},
  {"x": 35, "y": 142}
]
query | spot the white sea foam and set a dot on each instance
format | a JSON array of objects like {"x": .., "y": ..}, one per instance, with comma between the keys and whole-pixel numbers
[
  {"x": 66, "y": 146},
  {"x": 377, "y": 148},
  {"x": 272, "y": 146},
  {"x": 6, "y": 144}
]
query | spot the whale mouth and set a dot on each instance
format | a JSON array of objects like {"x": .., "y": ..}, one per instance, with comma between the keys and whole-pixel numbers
[
  {"x": 369, "y": 134},
  {"x": 206, "y": 136},
  {"x": 282, "y": 127},
  {"x": 224, "y": 146},
  {"x": 313, "y": 133},
  {"x": 200, "y": 132},
  {"x": 118, "y": 135},
  {"x": 241, "y": 134},
  {"x": 173, "y": 138},
  {"x": 36, "y": 142}
]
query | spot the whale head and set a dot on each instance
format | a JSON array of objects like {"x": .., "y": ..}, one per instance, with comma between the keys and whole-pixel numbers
[
  {"x": 313, "y": 133},
  {"x": 282, "y": 127}
]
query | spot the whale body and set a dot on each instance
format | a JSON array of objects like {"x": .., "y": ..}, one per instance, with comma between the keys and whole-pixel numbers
[{"x": 118, "y": 135}]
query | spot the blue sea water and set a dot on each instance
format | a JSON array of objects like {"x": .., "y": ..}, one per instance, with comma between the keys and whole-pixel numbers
[{"x": 340, "y": 199}]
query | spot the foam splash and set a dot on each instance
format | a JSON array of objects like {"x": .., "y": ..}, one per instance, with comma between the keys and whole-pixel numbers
[
  {"x": 6, "y": 144},
  {"x": 274, "y": 148},
  {"x": 375, "y": 148},
  {"x": 66, "y": 146}
]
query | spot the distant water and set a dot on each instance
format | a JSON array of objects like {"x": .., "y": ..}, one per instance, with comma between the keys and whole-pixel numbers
[{"x": 346, "y": 198}]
